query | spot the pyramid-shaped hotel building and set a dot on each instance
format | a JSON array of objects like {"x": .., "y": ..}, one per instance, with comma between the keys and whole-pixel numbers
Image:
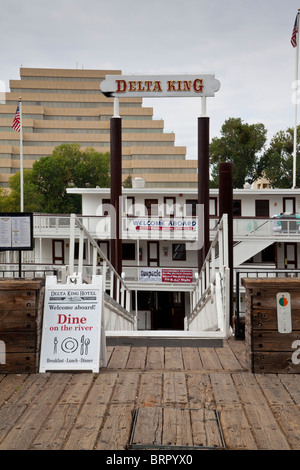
[{"x": 67, "y": 106}]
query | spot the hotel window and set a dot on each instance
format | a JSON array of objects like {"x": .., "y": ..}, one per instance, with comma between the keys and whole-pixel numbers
[
  {"x": 178, "y": 252},
  {"x": 213, "y": 206},
  {"x": 128, "y": 251},
  {"x": 151, "y": 207},
  {"x": 191, "y": 207},
  {"x": 169, "y": 206},
  {"x": 237, "y": 208},
  {"x": 262, "y": 208},
  {"x": 106, "y": 207},
  {"x": 129, "y": 202}
]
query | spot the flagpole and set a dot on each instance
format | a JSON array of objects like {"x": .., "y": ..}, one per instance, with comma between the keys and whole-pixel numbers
[
  {"x": 21, "y": 158},
  {"x": 296, "y": 105}
]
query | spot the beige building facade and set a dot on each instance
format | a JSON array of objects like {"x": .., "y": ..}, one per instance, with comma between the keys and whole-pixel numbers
[{"x": 67, "y": 106}]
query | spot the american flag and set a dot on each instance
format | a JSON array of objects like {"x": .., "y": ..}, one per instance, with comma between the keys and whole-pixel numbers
[
  {"x": 16, "y": 125},
  {"x": 295, "y": 32}
]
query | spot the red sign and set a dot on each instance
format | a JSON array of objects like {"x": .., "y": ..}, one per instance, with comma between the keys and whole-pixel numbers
[{"x": 177, "y": 275}]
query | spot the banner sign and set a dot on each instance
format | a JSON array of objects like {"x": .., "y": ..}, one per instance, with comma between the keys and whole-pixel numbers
[
  {"x": 177, "y": 275},
  {"x": 71, "y": 326},
  {"x": 160, "y": 86},
  {"x": 166, "y": 275},
  {"x": 150, "y": 275},
  {"x": 16, "y": 231},
  {"x": 163, "y": 224}
]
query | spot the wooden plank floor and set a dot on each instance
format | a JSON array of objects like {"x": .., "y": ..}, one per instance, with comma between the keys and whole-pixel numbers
[{"x": 175, "y": 390}]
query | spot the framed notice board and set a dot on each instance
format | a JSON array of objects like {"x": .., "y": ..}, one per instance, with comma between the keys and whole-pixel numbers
[{"x": 16, "y": 231}]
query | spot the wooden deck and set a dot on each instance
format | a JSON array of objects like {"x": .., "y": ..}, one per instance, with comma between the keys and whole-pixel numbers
[{"x": 153, "y": 397}]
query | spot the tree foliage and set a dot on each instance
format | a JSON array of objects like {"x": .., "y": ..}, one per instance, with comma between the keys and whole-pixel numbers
[
  {"x": 242, "y": 144},
  {"x": 277, "y": 160},
  {"x": 32, "y": 198},
  {"x": 46, "y": 183},
  {"x": 127, "y": 183},
  {"x": 4, "y": 193}
]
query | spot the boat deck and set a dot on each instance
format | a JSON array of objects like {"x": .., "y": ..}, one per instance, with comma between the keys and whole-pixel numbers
[{"x": 152, "y": 397}]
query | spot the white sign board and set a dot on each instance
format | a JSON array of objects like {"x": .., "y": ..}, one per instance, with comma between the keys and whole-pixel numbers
[
  {"x": 160, "y": 86},
  {"x": 163, "y": 224},
  {"x": 165, "y": 275},
  {"x": 71, "y": 336},
  {"x": 16, "y": 231},
  {"x": 150, "y": 275},
  {"x": 284, "y": 314}
]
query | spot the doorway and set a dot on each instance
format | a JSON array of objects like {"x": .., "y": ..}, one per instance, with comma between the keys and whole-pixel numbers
[
  {"x": 165, "y": 309},
  {"x": 168, "y": 311},
  {"x": 58, "y": 252},
  {"x": 290, "y": 256},
  {"x": 289, "y": 205},
  {"x": 153, "y": 253}
]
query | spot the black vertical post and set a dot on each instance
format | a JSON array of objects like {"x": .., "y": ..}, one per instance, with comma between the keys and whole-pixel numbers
[
  {"x": 203, "y": 185},
  {"x": 116, "y": 191},
  {"x": 20, "y": 263},
  {"x": 226, "y": 207}
]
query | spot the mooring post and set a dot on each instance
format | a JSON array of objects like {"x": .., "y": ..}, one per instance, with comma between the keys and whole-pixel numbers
[
  {"x": 116, "y": 187},
  {"x": 226, "y": 207},
  {"x": 203, "y": 186}
]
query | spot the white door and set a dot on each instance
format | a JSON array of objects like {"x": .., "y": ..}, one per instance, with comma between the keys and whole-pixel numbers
[{"x": 153, "y": 253}]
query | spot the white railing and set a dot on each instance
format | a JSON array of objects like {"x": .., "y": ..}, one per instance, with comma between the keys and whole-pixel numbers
[
  {"x": 260, "y": 228},
  {"x": 53, "y": 224},
  {"x": 182, "y": 228},
  {"x": 32, "y": 271},
  {"x": 117, "y": 318},
  {"x": 211, "y": 296},
  {"x": 156, "y": 228},
  {"x": 118, "y": 303}
]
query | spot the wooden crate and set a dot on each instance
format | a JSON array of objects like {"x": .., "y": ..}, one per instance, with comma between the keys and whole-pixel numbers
[
  {"x": 268, "y": 350},
  {"x": 21, "y": 313}
]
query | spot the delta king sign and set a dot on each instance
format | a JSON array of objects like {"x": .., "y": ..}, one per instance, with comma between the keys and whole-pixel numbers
[{"x": 159, "y": 86}]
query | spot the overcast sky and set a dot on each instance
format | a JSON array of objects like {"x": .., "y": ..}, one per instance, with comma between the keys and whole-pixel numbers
[{"x": 245, "y": 43}]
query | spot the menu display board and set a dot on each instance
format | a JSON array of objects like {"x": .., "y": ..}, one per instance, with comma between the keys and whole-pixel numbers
[{"x": 16, "y": 231}]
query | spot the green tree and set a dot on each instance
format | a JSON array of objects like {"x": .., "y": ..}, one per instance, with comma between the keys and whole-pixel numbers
[
  {"x": 278, "y": 160},
  {"x": 127, "y": 183},
  {"x": 4, "y": 193},
  {"x": 46, "y": 183},
  {"x": 242, "y": 144},
  {"x": 32, "y": 199}
]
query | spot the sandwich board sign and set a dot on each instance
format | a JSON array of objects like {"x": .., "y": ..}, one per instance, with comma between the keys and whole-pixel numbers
[{"x": 72, "y": 333}]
